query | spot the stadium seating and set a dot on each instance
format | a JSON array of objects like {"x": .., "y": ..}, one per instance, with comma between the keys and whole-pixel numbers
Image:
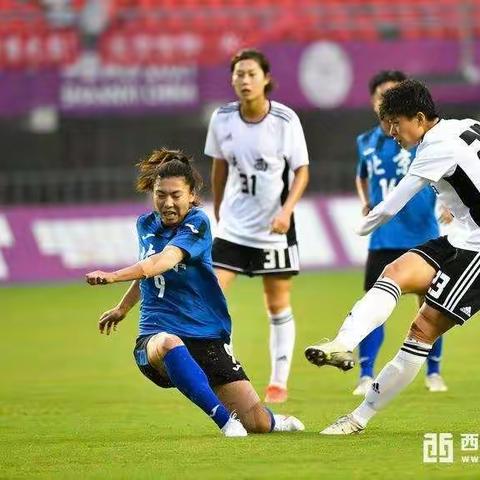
[{"x": 164, "y": 31}]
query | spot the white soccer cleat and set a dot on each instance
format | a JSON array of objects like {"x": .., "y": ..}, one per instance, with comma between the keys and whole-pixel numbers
[
  {"x": 363, "y": 386},
  {"x": 330, "y": 353},
  {"x": 346, "y": 425},
  {"x": 287, "y": 423},
  {"x": 234, "y": 427},
  {"x": 435, "y": 383}
]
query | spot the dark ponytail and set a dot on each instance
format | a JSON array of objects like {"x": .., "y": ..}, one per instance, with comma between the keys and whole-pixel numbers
[{"x": 166, "y": 163}]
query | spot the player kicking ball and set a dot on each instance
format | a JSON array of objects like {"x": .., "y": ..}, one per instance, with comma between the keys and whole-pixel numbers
[
  {"x": 446, "y": 270},
  {"x": 185, "y": 327}
]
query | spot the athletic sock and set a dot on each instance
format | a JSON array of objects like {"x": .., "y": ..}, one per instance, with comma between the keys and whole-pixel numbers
[
  {"x": 282, "y": 342},
  {"x": 395, "y": 376},
  {"x": 434, "y": 357},
  {"x": 272, "y": 419},
  {"x": 369, "y": 313},
  {"x": 368, "y": 350},
  {"x": 190, "y": 379}
]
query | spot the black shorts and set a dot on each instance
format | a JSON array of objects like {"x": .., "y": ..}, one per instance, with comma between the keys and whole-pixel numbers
[
  {"x": 455, "y": 290},
  {"x": 214, "y": 356},
  {"x": 377, "y": 260},
  {"x": 255, "y": 261}
]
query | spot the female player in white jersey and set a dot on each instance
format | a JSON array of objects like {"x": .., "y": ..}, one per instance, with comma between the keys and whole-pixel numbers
[
  {"x": 260, "y": 171},
  {"x": 445, "y": 270}
]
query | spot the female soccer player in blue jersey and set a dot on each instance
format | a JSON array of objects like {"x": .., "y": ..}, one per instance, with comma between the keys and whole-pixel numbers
[{"x": 184, "y": 338}]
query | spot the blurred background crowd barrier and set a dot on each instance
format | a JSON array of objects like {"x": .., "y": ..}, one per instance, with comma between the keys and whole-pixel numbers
[{"x": 87, "y": 87}]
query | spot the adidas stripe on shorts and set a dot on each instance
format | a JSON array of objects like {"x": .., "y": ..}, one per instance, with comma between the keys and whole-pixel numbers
[{"x": 455, "y": 290}]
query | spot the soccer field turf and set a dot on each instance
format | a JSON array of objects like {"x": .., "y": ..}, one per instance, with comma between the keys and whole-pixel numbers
[{"x": 74, "y": 405}]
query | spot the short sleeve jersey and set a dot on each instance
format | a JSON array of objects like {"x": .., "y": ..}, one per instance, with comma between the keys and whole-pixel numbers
[
  {"x": 449, "y": 157},
  {"x": 384, "y": 163},
  {"x": 261, "y": 158},
  {"x": 186, "y": 300}
]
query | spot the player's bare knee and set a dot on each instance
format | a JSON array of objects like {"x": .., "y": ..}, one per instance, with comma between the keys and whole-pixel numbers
[
  {"x": 170, "y": 342},
  {"x": 276, "y": 307},
  {"x": 392, "y": 271},
  {"x": 161, "y": 344}
]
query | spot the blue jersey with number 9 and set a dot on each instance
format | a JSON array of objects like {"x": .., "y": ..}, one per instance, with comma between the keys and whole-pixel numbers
[
  {"x": 384, "y": 163},
  {"x": 186, "y": 300}
]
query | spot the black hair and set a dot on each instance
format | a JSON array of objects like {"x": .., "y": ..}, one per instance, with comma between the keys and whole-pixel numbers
[
  {"x": 257, "y": 56},
  {"x": 165, "y": 163},
  {"x": 385, "y": 76},
  {"x": 407, "y": 99}
]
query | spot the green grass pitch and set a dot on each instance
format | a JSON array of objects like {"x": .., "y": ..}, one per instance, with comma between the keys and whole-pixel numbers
[{"x": 74, "y": 405}]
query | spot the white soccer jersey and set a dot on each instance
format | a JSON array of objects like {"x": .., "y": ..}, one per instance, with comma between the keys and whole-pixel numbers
[
  {"x": 449, "y": 158},
  {"x": 261, "y": 157}
]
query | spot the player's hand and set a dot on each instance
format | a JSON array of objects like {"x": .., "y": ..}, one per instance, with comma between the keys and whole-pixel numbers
[
  {"x": 446, "y": 216},
  {"x": 109, "y": 320},
  {"x": 98, "y": 277},
  {"x": 366, "y": 209},
  {"x": 281, "y": 223}
]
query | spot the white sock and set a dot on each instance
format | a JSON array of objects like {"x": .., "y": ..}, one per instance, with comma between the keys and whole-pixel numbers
[
  {"x": 369, "y": 313},
  {"x": 395, "y": 376},
  {"x": 282, "y": 341}
]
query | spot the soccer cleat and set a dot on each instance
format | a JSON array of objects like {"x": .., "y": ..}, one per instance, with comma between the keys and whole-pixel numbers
[
  {"x": 276, "y": 394},
  {"x": 363, "y": 386},
  {"x": 329, "y": 353},
  {"x": 346, "y": 425},
  {"x": 287, "y": 423},
  {"x": 234, "y": 428},
  {"x": 435, "y": 383}
]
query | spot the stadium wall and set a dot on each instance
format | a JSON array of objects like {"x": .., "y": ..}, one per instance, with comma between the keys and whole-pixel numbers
[{"x": 64, "y": 242}]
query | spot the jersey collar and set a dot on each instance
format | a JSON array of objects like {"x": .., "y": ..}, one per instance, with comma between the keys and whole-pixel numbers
[
  {"x": 258, "y": 121},
  {"x": 433, "y": 128}
]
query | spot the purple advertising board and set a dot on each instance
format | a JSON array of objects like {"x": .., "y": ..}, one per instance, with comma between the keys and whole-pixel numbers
[
  {"x": 63, "y": 243},
  {"x": 316, "y": 75}
]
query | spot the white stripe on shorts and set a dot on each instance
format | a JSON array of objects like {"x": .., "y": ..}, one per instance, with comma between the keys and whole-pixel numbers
[{"x": 463, "y": 283}]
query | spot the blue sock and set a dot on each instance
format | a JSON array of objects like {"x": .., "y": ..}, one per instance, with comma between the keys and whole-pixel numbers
[
  {"x": 272, "y": 419},
  {"x": 190, "y": 379},
  {"x": 434, "y": 357},
  {"x": 368, "y": 351}
]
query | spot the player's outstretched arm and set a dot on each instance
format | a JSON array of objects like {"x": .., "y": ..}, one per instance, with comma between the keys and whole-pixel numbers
[
  {"x": 110, "y": 318},
  {"x": 149, "y": 267},
  {"x": 393, "y": 203}
]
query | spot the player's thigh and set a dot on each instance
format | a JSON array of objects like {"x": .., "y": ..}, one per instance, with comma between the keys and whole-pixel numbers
[
  {"x": 277, "y": 291},
  {"x": 377, "y": 260},
  {"x": 155, "y": 373},
  {"x": 242, "y": 398},
  {"x": 411, "y": 273},
  {"x": 429, "y": 325},
  {"x": 225, "y": 278}
]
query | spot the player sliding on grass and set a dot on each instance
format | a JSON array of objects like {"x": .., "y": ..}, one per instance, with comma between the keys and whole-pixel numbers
[
  {"x": 185, "y": 327},
  {"x": 445, "y": 270}
]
